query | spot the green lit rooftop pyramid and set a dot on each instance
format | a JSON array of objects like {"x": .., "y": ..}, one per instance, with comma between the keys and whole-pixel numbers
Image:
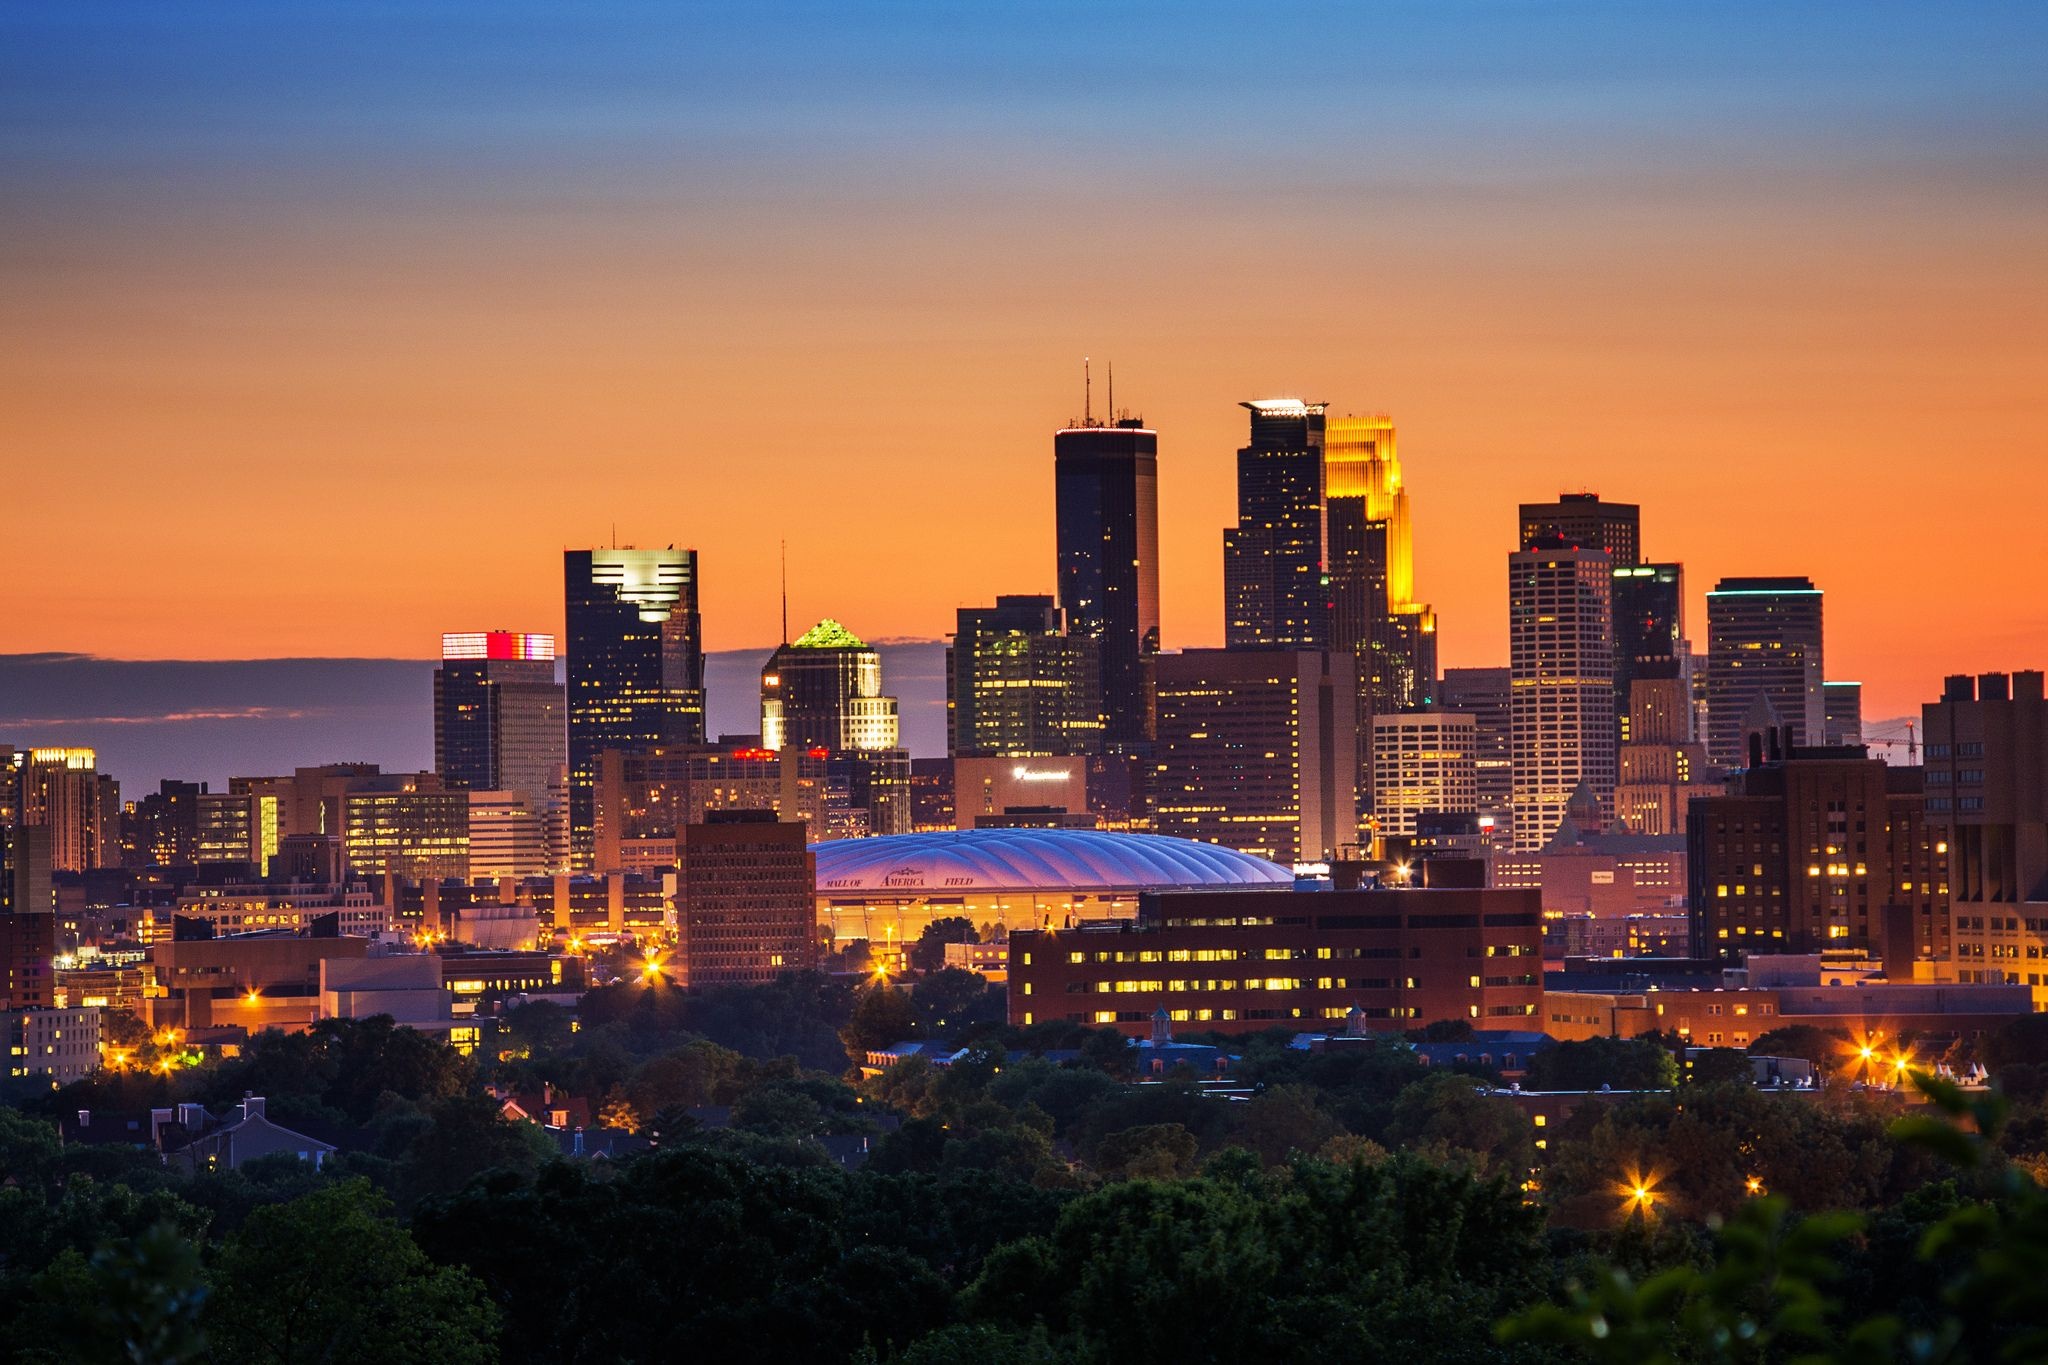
[{"x": 829, "y": 634}]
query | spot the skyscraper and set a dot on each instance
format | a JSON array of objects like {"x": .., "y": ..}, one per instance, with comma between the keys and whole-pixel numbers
[
  {"x": 1582, "y": 519},
  {"x": 1258, "y": 750},
  {"x": 1276, "y": 587},
  {"x": 1487, "y": 695},
  {"x": 63, "y": 791},
  {"x": 1763, "y": 646},
  {"x": 1018, "y": 686},
  {"x": 499, "y": 714},
  {"x": 636, "y": 662},
  {"x": 1561, "y": 662},
  {"x": 1661, "y": 766},
  {"x": 1372, "y": 566},
  {"x": 825, "y": 691},
  {"x": 1649, "y": 628},
  {"x": 1422, "y": 764},
  {"x": 1106, "y": 490}
]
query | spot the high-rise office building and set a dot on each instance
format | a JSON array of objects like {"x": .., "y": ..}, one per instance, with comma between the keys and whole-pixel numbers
[
  {"x": 1763, "y": 647},
  {"x": 746, "y": 900},
  {"x": 1842, "y": 712},
  {"x": 1561, "y": 661},
  {"x": 28, "y": 919},
  {"x": 63, "y": 791},
  {"x": 636, "y": 662},
  {"x": 1017, "y": 685},
  {"x": 1372, "y": 566},
  {"x": 500, "y": 717},
  {"x": 1106, "y": 491},
  {"x": 1583, "y": 520},
  {"x": 1487, "y": 695},
  {"x": 238, "y": 827},
  {"x": 643, "y": 798},
  {"x": 1661, "y": 767},
  {"x": 162, "y": 829},
  {"x": 1817, "y": 849},
  {"x": 407, "y": 825},
  {"x": 1987, "y": 798},
  {"x": 1276, "y": 587},
  {"x": 825, "y": 691},
  {"x": 1649, "y": 628},
  {"x": 1422, "y": 764},
  {"x": 1258, "y": 750}
]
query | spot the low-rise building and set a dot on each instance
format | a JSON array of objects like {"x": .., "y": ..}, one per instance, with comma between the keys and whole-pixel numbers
[
  {"x": 57, "y": 1045},
  {"x": 1242, "y": 961}
]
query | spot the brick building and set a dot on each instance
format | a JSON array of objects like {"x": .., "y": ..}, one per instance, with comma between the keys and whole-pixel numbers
[{"x": 1242, "y": 961}]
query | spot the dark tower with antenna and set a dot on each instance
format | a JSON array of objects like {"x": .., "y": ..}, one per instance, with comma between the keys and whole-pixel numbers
[{"x": 1106, "y": 491}]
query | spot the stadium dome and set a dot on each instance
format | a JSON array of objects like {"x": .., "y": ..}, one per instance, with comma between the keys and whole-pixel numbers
[{"x": 972, "y": 861}]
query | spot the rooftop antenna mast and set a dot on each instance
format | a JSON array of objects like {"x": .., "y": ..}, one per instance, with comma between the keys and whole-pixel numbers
[
  {"x": 785, "y": 592},
  {"x": 1112, "y": 389},
  {"x": 1087, "y": 395}
]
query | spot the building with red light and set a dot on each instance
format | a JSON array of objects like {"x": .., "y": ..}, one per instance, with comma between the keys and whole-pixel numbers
[{"x": 1240, "y": 961}]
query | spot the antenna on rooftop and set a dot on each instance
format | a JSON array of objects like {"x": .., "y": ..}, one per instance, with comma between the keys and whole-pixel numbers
[
  {"x": 785, "y": 592},
  {"x": 1087, "y": 395},
  {"x": 1112, "y": 389}
]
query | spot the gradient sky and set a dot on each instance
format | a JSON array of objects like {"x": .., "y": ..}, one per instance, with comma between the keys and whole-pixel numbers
[{"x": 327, "y": 327}]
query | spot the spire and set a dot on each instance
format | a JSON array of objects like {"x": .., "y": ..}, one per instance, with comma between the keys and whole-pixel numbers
[
  {"x": 1087, "y": 395},
  {"x": 785, "y": 592}
]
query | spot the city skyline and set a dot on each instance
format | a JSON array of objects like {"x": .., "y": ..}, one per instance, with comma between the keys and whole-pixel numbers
[{"x": 1706, "y": 271}]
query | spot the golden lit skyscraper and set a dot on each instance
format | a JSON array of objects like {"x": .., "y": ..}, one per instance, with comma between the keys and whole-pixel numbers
[{"x": 1372, "y": 564}]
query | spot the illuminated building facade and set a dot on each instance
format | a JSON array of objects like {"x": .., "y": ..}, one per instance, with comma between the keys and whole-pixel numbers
[
  {"x": 1258, "y": 750},
  {"x": 1372, "y": 566},
  {"x": 238, "y": 827},
  {"x": 56, "y": 1045},
  {"x": 500, "y": 717},
  {"x": 1422, "y": 764},
  {"x": 1276, "y": 589},
  {"x": 63, "y": 791},
  {"x": 508, "y": 836},
  {"x": 1815, "y": 850},
  {"x": 746, "y": 900},
  {"x": 1487, "y": 695},
  {"x": 1561, "y": 666},
  {"x": 825, "y": 691},
  {"x": 1661, "y": 768},
  {"x": 162, "y": 829},
  {"x": 407, "y": 826},
  {"x": 1763, "y": 645},
  {"x": 1649, "y": 630},
  {"x": 985, "y": 787},
  {"x": 1987, "y": 795},
  {"x": 644, "y": 797},
  {"x": 1242, "y": 962},
  {"x": 636, "y": 663},
  {"x": 28, "y": 919},
  {"x": 1017, "y": 685},
  {"x": 1106, "y": 494}
]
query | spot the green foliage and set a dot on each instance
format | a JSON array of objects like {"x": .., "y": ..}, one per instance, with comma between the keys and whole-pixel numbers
[
  {"x": 1618, "y": 1063},
  {"x": 1718, "y": 1066},
  {"x": 1455, "y": 1114},
  {"x": 881, "y": 1016},
  {"x": 138, "y": 1302},
  {"x": 331, "y": 1277},
  {"x": 928, "y": 954},
  {"x": 1825, "y": 1048}
]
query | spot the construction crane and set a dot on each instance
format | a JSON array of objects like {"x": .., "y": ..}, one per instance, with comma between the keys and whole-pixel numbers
[{"x": 1910, "y": 743}]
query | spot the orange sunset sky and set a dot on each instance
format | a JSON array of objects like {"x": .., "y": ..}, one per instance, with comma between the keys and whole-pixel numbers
[{"x": 326, "y": 332}]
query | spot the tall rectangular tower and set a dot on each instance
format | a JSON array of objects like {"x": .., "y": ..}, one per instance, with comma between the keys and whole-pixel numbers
[
  {"x": 1276, "y": 589},
  {"x": 1764, "y": 664},
  {"x": 636, "y": 663},
  {"x": 1258, "y": 750},
  {"x": 1372, "y": 566},
  {"x": 499, "y": 714},
  {"x": 1583, "y": 520},
  {"x": 1018, "y": 686},
  {"x": 1561, "y": 666},
  {"x": 1106, "y": 490}
]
